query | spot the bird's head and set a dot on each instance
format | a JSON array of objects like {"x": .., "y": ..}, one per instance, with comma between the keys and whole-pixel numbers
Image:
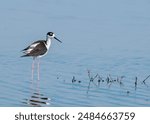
[{"x": 51, "y": 35}]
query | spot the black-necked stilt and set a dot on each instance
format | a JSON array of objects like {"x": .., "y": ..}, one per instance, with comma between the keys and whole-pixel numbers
[{"x": 38, "y": 49}]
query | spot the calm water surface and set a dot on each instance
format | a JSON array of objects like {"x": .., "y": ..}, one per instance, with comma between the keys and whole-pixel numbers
[{"x": 103, "y": 60}]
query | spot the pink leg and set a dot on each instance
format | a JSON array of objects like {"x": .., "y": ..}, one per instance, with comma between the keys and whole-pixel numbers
[
  {"x": 38, "y": 68},
  {"x": 33, "y": 68}
]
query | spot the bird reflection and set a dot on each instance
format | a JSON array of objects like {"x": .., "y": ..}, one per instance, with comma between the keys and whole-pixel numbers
[{"x": 36, "y": 99}]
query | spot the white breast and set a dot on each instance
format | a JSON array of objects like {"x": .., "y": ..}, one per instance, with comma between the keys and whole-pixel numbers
[{"x": 48, "y": 43}]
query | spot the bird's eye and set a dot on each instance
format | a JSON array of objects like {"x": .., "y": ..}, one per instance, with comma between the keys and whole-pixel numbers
[{"x": 51, "y": 33}]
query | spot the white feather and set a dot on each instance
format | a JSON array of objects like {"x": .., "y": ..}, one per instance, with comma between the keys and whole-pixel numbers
[
  {"x": 34, "y": 45},
  {"x": 48, "y": 43},
  {"x": 28, "y": 50}
]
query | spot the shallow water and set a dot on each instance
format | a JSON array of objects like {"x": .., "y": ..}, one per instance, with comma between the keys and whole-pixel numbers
[{"x": 103, "y": 60}]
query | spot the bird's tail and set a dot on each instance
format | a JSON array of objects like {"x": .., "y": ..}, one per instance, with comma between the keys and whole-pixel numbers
[{"x": 25, "y": 55}]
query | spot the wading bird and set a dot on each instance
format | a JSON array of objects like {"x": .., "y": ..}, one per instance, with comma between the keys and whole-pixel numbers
[{"x": 38, "y": 49}]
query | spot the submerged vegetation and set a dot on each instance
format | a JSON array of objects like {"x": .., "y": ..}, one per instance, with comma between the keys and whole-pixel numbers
[{"x": 109, "y": 80}]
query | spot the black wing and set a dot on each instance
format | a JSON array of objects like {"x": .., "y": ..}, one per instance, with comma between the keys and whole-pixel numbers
[{"x": 37, "y": 50}]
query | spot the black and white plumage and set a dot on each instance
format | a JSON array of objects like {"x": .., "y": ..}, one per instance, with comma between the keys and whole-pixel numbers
[{"x": 38, "y": 49}]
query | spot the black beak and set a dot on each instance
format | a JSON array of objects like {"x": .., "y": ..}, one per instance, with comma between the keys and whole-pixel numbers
[{"x": 57, "y": 39}]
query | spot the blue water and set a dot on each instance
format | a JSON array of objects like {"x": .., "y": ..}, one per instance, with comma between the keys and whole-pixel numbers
[{"x": 103, "y": 60}]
